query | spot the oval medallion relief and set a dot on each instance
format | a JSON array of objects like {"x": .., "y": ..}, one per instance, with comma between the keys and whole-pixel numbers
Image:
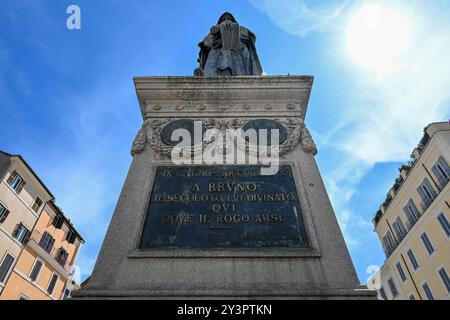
[{"x": 269, "y": 125}]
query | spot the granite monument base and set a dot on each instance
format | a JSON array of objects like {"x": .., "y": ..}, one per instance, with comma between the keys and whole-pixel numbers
[{"x": 223, "y": 231}]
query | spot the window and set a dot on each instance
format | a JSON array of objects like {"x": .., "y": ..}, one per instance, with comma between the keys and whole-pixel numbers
[
  {"x": 392, "y": 287},
  {"x": 383, "y": 293},
  {"x": 5, "y": 266},
  {"x": 52, "y": 284},
  {"x": 412, "y": 297},
  {"x": 445, "y": 278},
  {"x": 71, "y": 236},
  {"x": 36, "y": 270},
  {"x": 399, "y": 229},
  {"x": 58, "y": 222},
  {"x": 3, "y": 213},
  {"x": 411, "y": 213},
  {"x": 413, "y": 260},
  {"x": 426, "y": 241},
  {"x": 427, "y": 193},
  {"x": 428, "y": 292},
  {"x": 66, "y": 294},
  {"x": 37, "y": 204},
  {"x": 442, "y": 172},
  {"x": 61, "y": 256},
  {"x": 16, "y": 182},
  {"x": 47, "y": 242},
  {"x": 20, "y": 233},
  {"x": 444, "y": 224},
  {"x": 389, "y": 244},
  {"x": 401, "y": 272}
]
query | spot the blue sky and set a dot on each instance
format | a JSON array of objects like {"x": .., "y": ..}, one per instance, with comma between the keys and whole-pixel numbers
[{"x": 68, "y": 103}]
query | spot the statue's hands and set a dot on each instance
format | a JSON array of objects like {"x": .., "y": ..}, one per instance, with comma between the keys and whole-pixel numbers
[
  {"x": 227, "y": 25},
  {"x": 214, "y": 29}
]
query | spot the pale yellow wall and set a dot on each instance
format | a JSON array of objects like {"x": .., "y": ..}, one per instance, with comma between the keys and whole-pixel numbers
[
  {"x": 439, "y": 145},
  {"x": 19, "y": 206},
  {"x": 428, "y": 265},
  {"x": 19, "y": 283},
  {"x": 44, "y": 224}
]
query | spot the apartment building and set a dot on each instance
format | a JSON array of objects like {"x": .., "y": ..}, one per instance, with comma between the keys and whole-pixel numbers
[
  {"x": 38, "y": 244},
  {"x": 22, "y": 199},
  {"x": 413, "y": 224}
]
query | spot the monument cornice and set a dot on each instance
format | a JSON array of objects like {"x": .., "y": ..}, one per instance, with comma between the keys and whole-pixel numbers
[{"x": 223, "y": 96}]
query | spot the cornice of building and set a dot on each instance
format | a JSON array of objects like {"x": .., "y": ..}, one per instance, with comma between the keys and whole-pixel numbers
[
  {"x": 431, "y": 131},
  {"x": 59, "y": 211},
  {"x": 52, "y": 202},
  {"x": 18, "y": 156}
]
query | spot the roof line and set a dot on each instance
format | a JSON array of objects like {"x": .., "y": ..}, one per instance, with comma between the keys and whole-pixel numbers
[{"x": 31, "y": 170}]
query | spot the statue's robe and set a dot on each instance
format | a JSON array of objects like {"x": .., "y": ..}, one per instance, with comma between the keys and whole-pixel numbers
[{"x": 241, "y": 60}]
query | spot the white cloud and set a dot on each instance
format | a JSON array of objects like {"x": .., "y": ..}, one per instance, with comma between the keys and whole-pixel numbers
[
  {"x": 394, "y": 108},
  {"x": 387, "y": 111},
  {"x": 352, "y": 225},
  {"x": 301, "y": 17}
]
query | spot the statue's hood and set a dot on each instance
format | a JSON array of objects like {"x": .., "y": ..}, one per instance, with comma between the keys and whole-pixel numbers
[{"x": 226, "y": 15}]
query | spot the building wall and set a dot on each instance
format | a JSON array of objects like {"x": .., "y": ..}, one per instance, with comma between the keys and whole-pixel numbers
[
  {"x": 438, "y": 145},
  {"x": 4, "y": 164},
  {"x": 19, "y": 206},
  {"x": 20, "y": 283},
  {"x": 44, "y": 224}
]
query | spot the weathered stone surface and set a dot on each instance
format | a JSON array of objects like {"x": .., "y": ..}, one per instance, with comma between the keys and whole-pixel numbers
[{"x": 322, "y": 269}]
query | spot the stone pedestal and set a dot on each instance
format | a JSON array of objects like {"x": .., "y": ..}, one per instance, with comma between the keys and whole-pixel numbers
[{"x": 314, "y": 265}]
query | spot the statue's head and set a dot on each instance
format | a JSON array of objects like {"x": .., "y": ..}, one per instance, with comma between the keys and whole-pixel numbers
[{"x": 226, "y": 16}]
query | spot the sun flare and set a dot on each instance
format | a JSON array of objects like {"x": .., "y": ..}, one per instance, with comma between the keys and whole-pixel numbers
[{"x": 378, "y": 37}]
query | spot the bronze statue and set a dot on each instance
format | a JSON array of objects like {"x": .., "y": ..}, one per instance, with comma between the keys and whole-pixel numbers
[{"x": 228, "y": 50}]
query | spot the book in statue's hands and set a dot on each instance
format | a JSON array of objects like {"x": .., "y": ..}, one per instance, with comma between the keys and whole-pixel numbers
[{"x": 230, "y": 35}]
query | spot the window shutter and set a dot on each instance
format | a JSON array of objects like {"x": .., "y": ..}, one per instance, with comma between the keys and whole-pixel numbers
[
  {"x": 414, "y": 208},
  {"x": 60, "y": 222},
  {"x": 58, "y": 254},
  {"x": 72, "y": 238},
  {"x": 41, "y": 242},
  {"x": 16, "y": 230},
  {"x": 27, "y": 237},
  {"x": 20, "y": 187},
  {"x": 423, "y": 196},
  {"x": 5, "y": 266},
  {"x": 11, "y": 177},
  {"x": 50, "y": 245},
  {"x": 436, "y": 172},
  {"x": 444, "y": 165},
  {"x": 409, "y": 216},
  {"x": 4, "y": 216},
  {"x": 428, "y": 184}
]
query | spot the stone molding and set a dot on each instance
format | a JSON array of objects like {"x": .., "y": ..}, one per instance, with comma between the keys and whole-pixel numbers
[{"x": 151, "y": 129}]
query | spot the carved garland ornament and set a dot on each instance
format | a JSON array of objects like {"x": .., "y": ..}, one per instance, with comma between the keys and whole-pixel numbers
[{"x": 151, "y": 130}]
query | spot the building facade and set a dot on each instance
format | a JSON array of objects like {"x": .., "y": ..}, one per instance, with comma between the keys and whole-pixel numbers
[
  {"x": 413, "y": 224},
  {"x": 38, "y": 244}
]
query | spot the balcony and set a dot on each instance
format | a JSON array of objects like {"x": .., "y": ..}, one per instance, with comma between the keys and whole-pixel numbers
[{"x": 53, "y": 252}]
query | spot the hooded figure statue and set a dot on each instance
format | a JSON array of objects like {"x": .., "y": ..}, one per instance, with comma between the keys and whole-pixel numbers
[{"x": 228, "y": 50}]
